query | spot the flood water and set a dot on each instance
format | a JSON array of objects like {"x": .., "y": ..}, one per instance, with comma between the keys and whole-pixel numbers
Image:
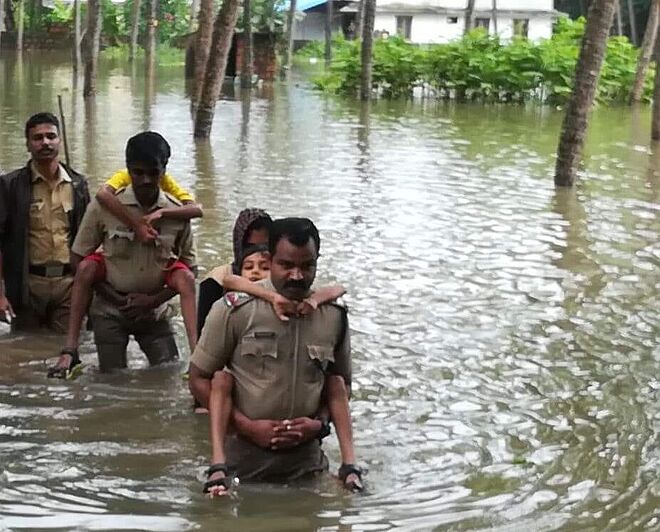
[{"x": 506, "y": 336}]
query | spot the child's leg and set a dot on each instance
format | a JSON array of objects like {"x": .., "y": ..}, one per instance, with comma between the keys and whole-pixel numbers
[
  {"x": 182, "y": 281},
  {"x": 337, "y": 399},
  {"x": 220, "y": 405},
  {"x": 88, "y": 272}
]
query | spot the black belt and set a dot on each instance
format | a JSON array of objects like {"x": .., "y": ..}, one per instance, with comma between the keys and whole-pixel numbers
[{"x": 50, "y": 270}]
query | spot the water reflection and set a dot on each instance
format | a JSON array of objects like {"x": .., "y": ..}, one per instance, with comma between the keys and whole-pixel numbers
[{"x": 505, "y": 334}]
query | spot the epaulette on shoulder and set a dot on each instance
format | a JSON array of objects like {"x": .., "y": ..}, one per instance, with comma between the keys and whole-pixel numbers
[
  {"x": 172, "y": 199},
  {"x": 236, "y": 299},
  {"x": 340, "y": 303}
]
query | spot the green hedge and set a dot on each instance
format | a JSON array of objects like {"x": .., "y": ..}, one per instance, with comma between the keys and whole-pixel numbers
[{"x": 481, "y": 67}]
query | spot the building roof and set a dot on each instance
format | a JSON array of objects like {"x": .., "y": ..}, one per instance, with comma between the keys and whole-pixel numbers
[{"x": 422, "y": 7}]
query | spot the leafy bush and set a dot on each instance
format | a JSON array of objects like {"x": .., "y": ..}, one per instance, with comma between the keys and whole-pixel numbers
[{"x": 481, "y": 67}]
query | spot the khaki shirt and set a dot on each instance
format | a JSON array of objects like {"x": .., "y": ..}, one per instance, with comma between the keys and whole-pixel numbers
[
  {"x": 134, "y": 267},
  {"x": 49, "y": 218},
  {"x": 279, "y": 367}
]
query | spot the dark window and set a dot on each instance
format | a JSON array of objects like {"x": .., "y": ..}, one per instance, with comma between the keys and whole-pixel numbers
[
  {"x": 403, "y": 26},
  {"x": 482, "y": 23},
  {"x": 452, "y": 20},
  {"x": 520, "y": 27}
]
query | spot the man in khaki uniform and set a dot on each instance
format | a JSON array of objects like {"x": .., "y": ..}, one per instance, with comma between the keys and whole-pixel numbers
[
  {"x": 41, "y": 206},
  {"x": 132, "y": 299},
  {"x": 279, "y": 367}
]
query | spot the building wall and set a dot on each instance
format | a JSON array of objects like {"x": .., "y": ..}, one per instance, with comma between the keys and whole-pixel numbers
[
  {"x": 312, "y": 27},
  {"x": 433, "y": 29},
  {"x": 545, "y": 5}
]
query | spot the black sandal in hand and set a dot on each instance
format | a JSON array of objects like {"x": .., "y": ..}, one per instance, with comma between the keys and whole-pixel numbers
[{"x": 351, "y": 469}]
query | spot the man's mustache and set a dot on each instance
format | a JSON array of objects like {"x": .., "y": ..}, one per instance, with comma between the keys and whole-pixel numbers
[{"x": 302, "y": 285}]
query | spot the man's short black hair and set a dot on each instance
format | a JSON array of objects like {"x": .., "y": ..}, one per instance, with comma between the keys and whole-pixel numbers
[
  {"x": 41, "y": 118},
  {"x": 148, "y": 147},
  {"x": 298, "y": 231}
]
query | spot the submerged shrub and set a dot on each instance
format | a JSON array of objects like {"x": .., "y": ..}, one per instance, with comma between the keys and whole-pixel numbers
[{"x": 480, "y": 67}]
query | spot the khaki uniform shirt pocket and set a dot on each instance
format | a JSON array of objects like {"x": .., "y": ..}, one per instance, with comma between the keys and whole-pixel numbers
[
  {"x": 259, "y": 355},
  {"x": 320, "y": 357},
  {"x": 118, "y": 244}
]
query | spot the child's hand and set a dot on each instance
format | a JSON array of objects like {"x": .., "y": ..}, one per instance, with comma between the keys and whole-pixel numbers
[
  {"x": 307, "y": 306},
  {"x": 150, "y": 218},
  {"x": 282, "y": 306},
  {"x": 145, "y": 233}
]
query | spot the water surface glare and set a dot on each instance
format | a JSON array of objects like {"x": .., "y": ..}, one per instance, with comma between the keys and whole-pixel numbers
[{"x": 506, "y": 336}]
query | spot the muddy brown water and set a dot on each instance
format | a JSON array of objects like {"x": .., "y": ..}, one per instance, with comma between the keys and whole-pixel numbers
[{"x": 506, "y": 336}]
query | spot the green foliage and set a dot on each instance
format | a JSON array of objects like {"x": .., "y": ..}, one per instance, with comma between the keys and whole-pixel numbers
[
  {"x": 481, "y": 67},
  {"x": 267, "y": 16},
  {"x": 59, "y": 14}
]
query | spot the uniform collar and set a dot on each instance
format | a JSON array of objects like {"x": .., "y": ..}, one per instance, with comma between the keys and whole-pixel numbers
[
  {"x": 62, "y": 174},
  {"x": 127, "y": 197}
]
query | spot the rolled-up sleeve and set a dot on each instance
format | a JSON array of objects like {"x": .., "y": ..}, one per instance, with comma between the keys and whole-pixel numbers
[{"x": 218, "y": 339}]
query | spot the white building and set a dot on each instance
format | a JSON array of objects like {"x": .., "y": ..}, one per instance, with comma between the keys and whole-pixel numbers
[{"x": 433, "y": 21}]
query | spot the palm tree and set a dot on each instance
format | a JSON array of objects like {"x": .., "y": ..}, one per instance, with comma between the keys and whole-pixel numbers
[
  {"x": 202, "y": 47},
  {"x": 587, "y": 72},
  {"x": 152, "y": 25},
  {"x": 248, "y": 46},
  {"x": 135, "y": 30},
  {"x": 646, "y": 51},
  {"x": 92, "y": 43},
  {"x": 469, "y": 15},
  {"x": 223, "y": 34},
  {"x": 20, "y": 23},
  {"x": 367, "y": 49},
  {"x": 633, "y": 22},
  {"x": 76, "y": 37},
  {"x": 290, "y": 27},
  {"x": 495, "y": 17},
  {"x": 328, "y": 33}
]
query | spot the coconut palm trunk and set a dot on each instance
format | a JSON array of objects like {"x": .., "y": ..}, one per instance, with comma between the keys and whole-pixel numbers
[
  {"x": 290, "y": 29},
  {"x": 223, "y": 33},
  {"x": 328, "y": 32},
  {"x": 77, "y": 58},
  {"x": 202, "y": 47},
  {"x": 92, "y": 44},
  {"x": 360, "y": 20},
  {"x": 655, "y": 120},
  {"x": 2, "y": 20},
  {"x": 494, "y": 11},
  {"x": 366, "y": 52},
  {"x": 469, "y": 16},
  {"x": 135, "y": 30},
  {"x": 587, "y": 73},
  {"x": 248, "y": 46},
  {"x": 150, "y": 51},
  {"x": 646, "y": 51},
  {"x": 632, "y": 20},
  {"x": 20, "y": 25},
  {"x": 619, "y": 23}
]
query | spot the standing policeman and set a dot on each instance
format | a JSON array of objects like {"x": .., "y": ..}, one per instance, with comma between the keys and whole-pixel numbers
[{"x": 41, "y": 206}]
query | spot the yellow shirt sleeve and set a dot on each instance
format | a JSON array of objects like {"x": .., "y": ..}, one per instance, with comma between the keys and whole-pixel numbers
[
  {"x": 120, "y": 179},
  {"x": 169, "y": 185}
]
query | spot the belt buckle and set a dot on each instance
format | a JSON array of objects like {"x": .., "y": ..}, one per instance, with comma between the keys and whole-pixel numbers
[{"x": 55, "y": 270}]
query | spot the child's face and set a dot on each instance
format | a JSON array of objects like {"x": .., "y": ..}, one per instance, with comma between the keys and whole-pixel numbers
[{"x": 256, "y": 266}]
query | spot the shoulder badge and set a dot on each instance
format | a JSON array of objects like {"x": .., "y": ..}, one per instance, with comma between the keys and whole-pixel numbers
[
  {"x": 171, "y": 198},
  {"x": 236, "y": 299},
  {"x": 340, "y": 303}
]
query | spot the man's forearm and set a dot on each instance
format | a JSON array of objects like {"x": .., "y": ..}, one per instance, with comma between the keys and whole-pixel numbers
[{"x": 163, "y": 295}]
